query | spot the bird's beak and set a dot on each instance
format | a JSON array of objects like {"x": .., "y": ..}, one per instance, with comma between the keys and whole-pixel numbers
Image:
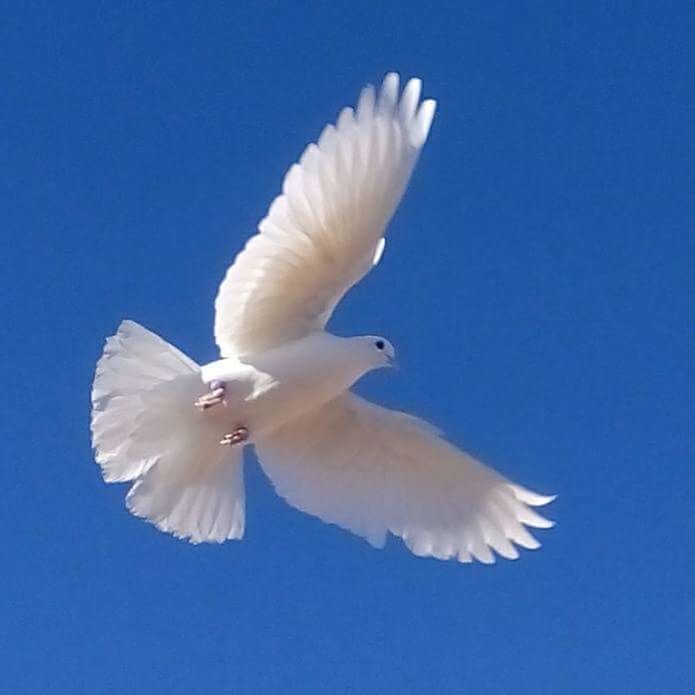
[{"x": 393, "y": 363}]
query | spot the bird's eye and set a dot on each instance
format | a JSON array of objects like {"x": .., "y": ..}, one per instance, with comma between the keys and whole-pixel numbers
[{"x": 380, "y": 345}]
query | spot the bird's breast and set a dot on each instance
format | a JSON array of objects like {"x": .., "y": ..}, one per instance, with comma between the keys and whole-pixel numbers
[{"x": 263, "y": 394}]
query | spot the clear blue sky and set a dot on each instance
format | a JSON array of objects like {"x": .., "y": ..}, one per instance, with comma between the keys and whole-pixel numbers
[{"x": 538, "y": 284}]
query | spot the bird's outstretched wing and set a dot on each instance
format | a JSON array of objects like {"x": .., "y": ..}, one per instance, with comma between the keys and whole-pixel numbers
[
  {"x": 325, "y": 231},
  {"x": 371, "y": 470}
]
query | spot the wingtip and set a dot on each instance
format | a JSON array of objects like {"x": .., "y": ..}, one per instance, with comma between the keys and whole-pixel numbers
[
  {"x": 410, "y": 99},
  {"x": 388, "y": 94},
  {"x": 345, "y": 117},
  {"x": 423, "y": 122},
  {"x": 366, "y": 103},
  {"x": 532, "y": 498},
  {"x": 391, "y": 79}
]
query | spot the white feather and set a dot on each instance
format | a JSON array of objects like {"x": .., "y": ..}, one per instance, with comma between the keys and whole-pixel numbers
[
  {"x": 370, "y": 470},
  {"x": 146, "y": 429},
  {"x": 373, "y": 471},
  {"x": 323, "y": 234}
]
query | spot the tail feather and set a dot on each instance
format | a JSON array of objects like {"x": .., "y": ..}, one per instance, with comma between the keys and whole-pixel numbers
[
  {"x": 208, "y": 508},
  {"x": 145, "y": 429}
]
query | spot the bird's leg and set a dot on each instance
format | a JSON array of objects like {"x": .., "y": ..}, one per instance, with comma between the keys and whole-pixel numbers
[
  {"x": 240, "y": 434},
  {"x": 213, "y": 397}
]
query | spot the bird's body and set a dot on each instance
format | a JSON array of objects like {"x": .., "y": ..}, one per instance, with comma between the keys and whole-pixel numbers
[
  {"x": 177, "y": 430},
  {"x": 265, "y": 391}
]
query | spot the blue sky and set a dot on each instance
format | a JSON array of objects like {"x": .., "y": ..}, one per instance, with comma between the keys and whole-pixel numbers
[{"x": 538, "y": 284}]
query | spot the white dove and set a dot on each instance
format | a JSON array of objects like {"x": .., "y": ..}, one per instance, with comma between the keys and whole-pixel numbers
[{"x": 178, "y": 430}]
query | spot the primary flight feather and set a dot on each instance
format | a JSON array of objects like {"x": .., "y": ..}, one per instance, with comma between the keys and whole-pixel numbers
[{"x": 177, "y": 430}]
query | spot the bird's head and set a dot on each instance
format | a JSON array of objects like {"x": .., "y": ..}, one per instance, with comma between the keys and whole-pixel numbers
[{"x": 377, "y": 352}]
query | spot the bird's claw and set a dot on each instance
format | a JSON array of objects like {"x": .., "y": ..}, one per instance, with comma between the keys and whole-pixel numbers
[
  {"x": 214, "y": 397},
  {"x": 240, "y": 434}
]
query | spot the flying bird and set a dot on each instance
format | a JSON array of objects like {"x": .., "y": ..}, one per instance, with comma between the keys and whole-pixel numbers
[{"x": 177, "y": 430}]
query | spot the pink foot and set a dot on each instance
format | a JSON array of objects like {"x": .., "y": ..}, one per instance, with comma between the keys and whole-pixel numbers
[
  {"x": 240, "y": 434},
  {"x": 214, "y": 397}
]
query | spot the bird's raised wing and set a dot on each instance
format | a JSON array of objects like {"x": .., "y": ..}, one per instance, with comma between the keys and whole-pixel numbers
[
  {"x": 325, "y": 231},
  {"x": 371, "y": 470}
]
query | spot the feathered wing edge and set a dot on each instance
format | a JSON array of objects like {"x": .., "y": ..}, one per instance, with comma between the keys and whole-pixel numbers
[
  {"x": 146, "y": 430},
  {"x": 325, "y": 231},
  {"x": 374, "y": 471}
]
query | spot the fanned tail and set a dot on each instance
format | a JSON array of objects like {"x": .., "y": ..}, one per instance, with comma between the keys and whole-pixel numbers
[{"x": 146, "y": 429}]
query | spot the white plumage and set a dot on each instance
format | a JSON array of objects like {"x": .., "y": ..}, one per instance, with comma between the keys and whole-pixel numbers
[
  {"x": 373, "y": 471},
  {"x": 325, "y": 231},
  {"x": 284, "y": 382},
  {"x": 145, "y": 429}
]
